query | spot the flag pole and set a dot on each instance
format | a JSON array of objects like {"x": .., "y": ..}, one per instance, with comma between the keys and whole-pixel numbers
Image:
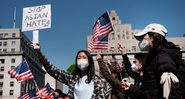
[
  {"x": 110, "y": 19},
  {"x": 37, "y": 88},
  {"x": 110, "y": 23},
  {"x": 14, "y": 17},
  {"x": 35, "y": 40},
  {"x": 35, "y": 83}
]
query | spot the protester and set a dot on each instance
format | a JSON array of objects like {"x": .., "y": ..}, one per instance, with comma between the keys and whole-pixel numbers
[
  {"x": 117, "y": 91},
  {"x": 82, "y": 83},
  {"x": 161, "y": 59},
  {"x": 133, "y": 70}
]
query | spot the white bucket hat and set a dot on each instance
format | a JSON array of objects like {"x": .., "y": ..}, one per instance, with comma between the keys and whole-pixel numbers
[{"x": 154, "y": 27}]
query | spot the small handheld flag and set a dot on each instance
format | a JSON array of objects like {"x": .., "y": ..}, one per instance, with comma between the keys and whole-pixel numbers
[
  {"x": 21, "y": 72},
  {"x": 46, "y": 91},
  {"x": 31, "y": 94}
]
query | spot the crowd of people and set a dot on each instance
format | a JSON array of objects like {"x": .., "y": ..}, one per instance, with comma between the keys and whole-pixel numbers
[{"x": 154, "y": 71}]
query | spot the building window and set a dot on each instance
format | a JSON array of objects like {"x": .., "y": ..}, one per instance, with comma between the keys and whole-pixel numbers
[
  {"x": 13, "y": 43},
  {"x": 123, "y": 36},
  {"x": 4, "y": 43},
  {"x": 5, "y": 35},
  {"x": 11, "y": 92},
  {"x": 1, "y": 92},
  {"x": 13, "y": 34},
  {"x": 13, "y": 50},
  {"x": 2, "y": 61},
  {"x": 12, "y": 76},
  {"x": 127, "y": 35},
  {"x": 2, "y": 68},
  {"x": 13, "y": 60},
  {"x": 113, "y": 37},
  {"x": 118, "y": 36},
  {"x": 1, "y": 44},
  {"x": 133, "y": 35},
  {"x": 4, "y": 50},
  {"x": 134, "y": 48},
  {"x": 12, "y": 67},
  {"x": 111, "y": 49},
  {"x": 11, "y": 84},
  {"x": 1, "y": 84},
  {"x": 113, "y": 18},
  {"x": 1, "y": 76},
  {"x": 1, "y": 35}
]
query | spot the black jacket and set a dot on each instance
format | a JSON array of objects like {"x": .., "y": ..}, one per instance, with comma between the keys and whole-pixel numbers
[
  {"x": 159, "y": 60},
  {"x": 132, "y": 74}
]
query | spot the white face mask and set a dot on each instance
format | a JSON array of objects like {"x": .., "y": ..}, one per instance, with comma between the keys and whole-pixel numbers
[
  {"x": 56, "y": 94},
  {"x": 144, "y": 45},
  {"x": 82, "y": 64},
  {"x": 135, "y": 68}
]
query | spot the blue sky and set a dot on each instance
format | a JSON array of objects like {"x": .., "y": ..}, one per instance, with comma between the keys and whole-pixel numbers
[{"x": 72, "y": 21}]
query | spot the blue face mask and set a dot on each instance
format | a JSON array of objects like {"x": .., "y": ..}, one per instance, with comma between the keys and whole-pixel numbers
[{"x": 144, "y": 45}]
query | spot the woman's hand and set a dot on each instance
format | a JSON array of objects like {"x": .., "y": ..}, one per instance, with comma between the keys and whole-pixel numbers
[
  {"x": 37, "y": 50},
  {"x": 35, "y": 46},
  {"x": 98, "y": 56},
  {"x": 125, "y": 85},
  {"x": 121, "y": 49}
]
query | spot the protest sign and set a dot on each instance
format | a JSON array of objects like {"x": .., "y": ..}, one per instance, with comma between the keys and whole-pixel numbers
[{"x": 36, "y": 17}]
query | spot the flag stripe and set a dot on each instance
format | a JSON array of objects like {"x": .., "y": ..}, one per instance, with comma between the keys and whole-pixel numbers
[
  {"x": 102, "y": 31},
  {"x": 21, "y": 72},
  {"x": 46, "y": 90}
]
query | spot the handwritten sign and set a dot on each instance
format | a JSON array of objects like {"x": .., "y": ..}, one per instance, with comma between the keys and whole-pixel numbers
[{"x": 37, "y": 17}]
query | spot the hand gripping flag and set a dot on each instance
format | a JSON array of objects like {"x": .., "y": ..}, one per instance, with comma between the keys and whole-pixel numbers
[
  {"x": 101, "y": 29},
  {"x": 21, "y": 72},
  {"x": 46, "y": 91},
  {"x": 31, "y": 94}
]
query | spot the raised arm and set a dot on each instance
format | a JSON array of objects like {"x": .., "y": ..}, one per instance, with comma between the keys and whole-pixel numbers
[
  {"x": 58, "y": 74},
  {"x": 126, "y": 62},
  {"x": 114, "y": 82}
]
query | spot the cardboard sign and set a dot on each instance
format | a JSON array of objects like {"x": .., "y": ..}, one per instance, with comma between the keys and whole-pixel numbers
[{"x": 37, "y": 17}]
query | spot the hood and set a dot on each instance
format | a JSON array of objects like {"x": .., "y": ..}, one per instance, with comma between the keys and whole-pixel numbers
[{"x": 173, "y": 51}]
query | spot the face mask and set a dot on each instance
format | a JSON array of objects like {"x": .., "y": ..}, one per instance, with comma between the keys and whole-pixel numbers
[
  {"x": 56, "y": 94},
  {"x": 134, "y": 68},
  {"x": 144, "y": 45},
  {"x": 82, "y": 64}
]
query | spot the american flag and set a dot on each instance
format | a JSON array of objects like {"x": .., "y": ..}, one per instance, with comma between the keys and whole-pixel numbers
[
  {"x": 21, "y": 72},
  {"x": 101, "y": 29},
  {"x": 31, "y": 94},
  {"x": 46, "y": 91}
]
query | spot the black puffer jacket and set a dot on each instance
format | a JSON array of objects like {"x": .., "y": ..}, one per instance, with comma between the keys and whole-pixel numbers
[{"x": 159, "y": 60}]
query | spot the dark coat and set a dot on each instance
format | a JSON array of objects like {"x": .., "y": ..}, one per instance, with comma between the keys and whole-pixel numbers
[
  {"x": 117, "y": 91},
  {"x": 159, "y": 60},
  {"x": 132, "y": 74}
]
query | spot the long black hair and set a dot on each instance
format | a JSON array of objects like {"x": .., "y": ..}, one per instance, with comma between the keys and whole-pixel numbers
[
  {"x": 158, "y": 41},
  {"x": 90, "y": 71}
]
